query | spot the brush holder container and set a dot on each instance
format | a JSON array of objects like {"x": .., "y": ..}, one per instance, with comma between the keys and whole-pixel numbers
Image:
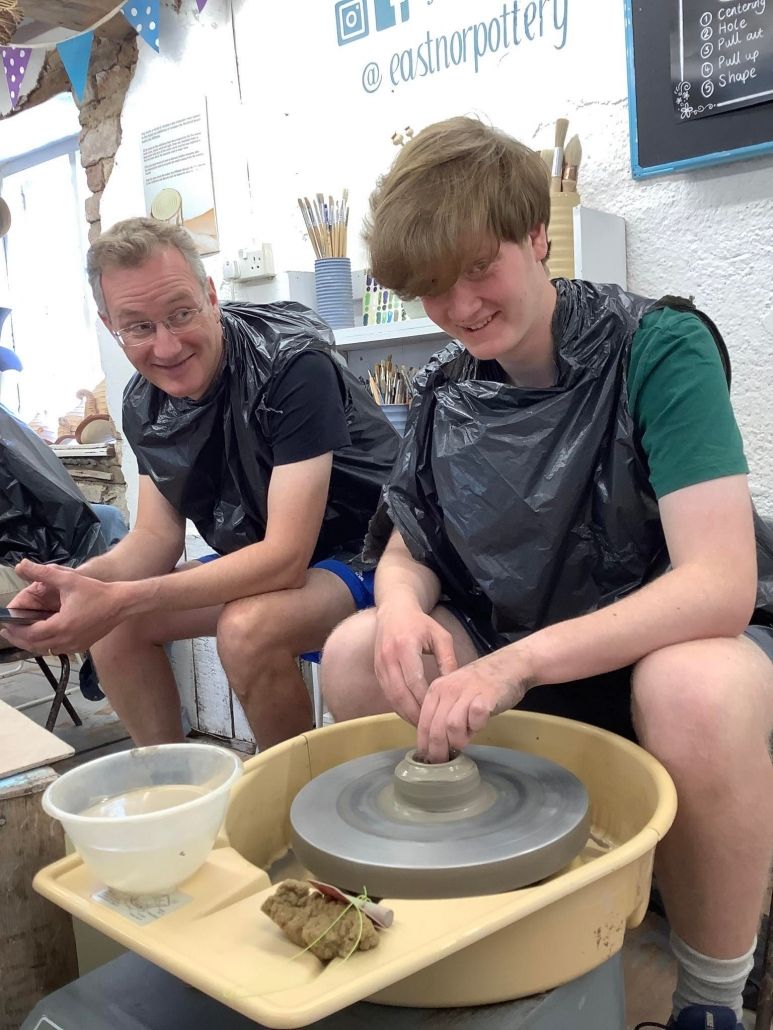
[
  {"x": 397, "y": 414},
  {"x": 561, "y": 235},
  {"x": 333, "y": 284}
]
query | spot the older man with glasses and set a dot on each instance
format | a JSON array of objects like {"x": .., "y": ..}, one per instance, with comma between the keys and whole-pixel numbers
[{"x": 243, "y": 421}]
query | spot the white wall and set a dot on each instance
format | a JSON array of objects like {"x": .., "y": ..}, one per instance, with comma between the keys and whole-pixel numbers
[
  {"x": 305, "y": 123},
  {"x": 197, "y": 60}
]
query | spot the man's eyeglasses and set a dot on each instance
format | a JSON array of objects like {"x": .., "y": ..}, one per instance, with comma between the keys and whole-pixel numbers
[{"x": 140, "y": 332}]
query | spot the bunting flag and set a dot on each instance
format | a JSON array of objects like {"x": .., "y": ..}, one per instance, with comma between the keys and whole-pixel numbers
[
  {"x": 75, "y": 54},
  {"x": 15, "y": 61},
  {"x": 142, "y": 15}
]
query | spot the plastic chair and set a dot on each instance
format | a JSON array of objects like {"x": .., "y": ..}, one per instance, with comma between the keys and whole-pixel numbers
[
  {"x": 15, "y": 655},
  {"x": 764, "y": 1018},
  {"x": 312, "y": 659}
]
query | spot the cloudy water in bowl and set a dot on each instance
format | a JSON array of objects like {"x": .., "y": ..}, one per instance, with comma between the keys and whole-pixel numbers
[{"x": 144, "y": 800}]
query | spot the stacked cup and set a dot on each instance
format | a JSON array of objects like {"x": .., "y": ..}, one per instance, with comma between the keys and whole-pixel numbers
[
  {"x": 397, "y": 414},
  {"x": 333, "y": 281}
]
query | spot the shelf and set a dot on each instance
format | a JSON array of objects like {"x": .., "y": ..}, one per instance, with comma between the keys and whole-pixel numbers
[
  {"x": 84, "y": 450},
  {"x": 412, "y": 330}
]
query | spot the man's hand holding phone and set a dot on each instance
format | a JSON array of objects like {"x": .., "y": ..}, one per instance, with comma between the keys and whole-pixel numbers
[{"x": 23, "y": 616}]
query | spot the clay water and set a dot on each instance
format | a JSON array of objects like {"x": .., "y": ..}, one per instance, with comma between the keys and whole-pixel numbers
[{"x": 173, "y": 856}]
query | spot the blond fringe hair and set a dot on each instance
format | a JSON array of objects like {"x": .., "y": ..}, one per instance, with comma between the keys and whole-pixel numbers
[
  {"x": 130, "y": 243},
  {"x": 452, "y": 195}
]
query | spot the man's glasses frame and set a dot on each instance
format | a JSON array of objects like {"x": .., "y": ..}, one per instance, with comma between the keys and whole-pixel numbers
[{"x": 139, "y": 333}]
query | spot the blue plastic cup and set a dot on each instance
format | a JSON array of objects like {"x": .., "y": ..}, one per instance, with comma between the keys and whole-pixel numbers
[{"x": 397, "y": 415}]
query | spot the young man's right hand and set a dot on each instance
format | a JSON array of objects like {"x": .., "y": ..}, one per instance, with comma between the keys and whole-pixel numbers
[{"x": 404, "y": 635}]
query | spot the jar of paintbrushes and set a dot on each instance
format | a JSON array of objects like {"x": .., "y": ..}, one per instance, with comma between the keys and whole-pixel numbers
[
  {"x": 326, "y": 222},
  {"x": 392, "y": 388}
]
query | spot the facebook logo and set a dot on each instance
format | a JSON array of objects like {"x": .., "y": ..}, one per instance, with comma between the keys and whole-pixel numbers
[
  {"x": 390, "y": 12},
  {"x": 351, "y": 20}
]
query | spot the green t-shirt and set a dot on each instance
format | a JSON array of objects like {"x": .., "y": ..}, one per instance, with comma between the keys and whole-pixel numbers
[{"x": 678, "y": 397}]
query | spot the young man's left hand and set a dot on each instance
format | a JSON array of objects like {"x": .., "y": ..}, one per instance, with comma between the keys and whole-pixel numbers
[{"x": 458, "y": 705}]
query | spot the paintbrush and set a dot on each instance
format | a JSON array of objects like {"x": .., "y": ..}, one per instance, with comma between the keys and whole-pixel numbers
[
  {"x": 572, "y": 161},
  {"x": 562, "y": 124},
  {"x": 310, "y": 229}
]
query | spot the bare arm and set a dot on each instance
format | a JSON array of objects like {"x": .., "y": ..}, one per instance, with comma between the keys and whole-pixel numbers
[
  {"x": 709, "y": 592},
  {"x": 153, "y": 545},
  {"x": 406, "y": 592},
  {"x": 297, "y": 497},
  {"x": 402, "y": 580},
  {"x": 89, "y": 608}
]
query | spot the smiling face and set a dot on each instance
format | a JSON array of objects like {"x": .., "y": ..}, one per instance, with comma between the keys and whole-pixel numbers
[
  {"x": 182, "y": 365},
  {"x": 501, "y": 309}
]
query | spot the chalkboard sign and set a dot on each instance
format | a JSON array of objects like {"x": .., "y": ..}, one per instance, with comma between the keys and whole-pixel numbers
[{"x": 700, "y": 82}]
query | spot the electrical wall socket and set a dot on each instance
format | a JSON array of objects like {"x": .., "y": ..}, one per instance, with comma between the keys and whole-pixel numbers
[
  {"x": 231, "y": 269},
  {"x": 256, "y": 264}
]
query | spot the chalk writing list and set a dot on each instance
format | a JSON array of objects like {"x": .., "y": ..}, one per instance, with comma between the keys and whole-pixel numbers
[{"x": 721, "y": 56}]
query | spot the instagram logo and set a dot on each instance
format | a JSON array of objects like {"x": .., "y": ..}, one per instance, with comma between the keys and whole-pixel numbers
[
  {"x": 390, "y": 12},
  {"x": 351, "y": 20}
]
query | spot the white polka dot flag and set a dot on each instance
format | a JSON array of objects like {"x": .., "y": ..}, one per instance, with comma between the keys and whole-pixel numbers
[
  {"x": 142, "y": 15},
  {"x": 75, "y": 54},
  {"x": 15, "y": 61}
]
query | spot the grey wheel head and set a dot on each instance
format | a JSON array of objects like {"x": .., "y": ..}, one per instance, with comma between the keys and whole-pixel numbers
[{"x": 491, "y": 820}]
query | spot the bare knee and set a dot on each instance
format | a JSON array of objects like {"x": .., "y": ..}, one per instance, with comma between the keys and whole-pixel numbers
[
  {"x": 699, "y": 702},
  {"x": 123, "y": 643},
  {"x": 348, "y": 680},
  {"x": 246, "y": 635}
]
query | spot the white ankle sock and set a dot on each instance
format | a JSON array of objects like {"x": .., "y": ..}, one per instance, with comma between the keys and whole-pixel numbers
[{"x": 709, "y": 981}]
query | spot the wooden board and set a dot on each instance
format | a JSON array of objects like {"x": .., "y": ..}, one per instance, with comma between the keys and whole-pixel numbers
[
  {"x": 25, "y": 745},
  {"x": 72, "y": 14},
  {"x": 38, "y": 951}
]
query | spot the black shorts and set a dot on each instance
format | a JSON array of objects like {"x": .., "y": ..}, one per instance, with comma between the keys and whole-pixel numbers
[{"x": 603, "y": 700}]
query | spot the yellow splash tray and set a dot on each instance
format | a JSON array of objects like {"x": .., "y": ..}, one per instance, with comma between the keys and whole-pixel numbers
[{"x": 466, "y": 951}]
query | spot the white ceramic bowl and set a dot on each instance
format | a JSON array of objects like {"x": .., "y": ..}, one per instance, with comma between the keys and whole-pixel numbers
[{"x": 145, "y": 820}]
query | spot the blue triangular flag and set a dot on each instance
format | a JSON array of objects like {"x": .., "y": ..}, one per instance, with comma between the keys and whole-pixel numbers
[
  {"x": 75, "y": 54},
  {"x": 142, "y": 15}
]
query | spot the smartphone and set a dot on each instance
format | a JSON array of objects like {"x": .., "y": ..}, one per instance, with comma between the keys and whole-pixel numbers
[{"x": 23, "y": 616}]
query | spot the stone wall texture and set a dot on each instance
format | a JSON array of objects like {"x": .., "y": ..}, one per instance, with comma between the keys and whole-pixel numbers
[{"x": 110, "y": 73}]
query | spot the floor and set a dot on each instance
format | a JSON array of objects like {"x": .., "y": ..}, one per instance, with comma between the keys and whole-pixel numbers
[{"x": 649, "y": 969}]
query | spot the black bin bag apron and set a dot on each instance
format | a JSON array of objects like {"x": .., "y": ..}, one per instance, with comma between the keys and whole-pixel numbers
[
  {"x": 534, "y": 505},
  {"x": 43, "y": 514},
  {"x": 212, "y": 458}
]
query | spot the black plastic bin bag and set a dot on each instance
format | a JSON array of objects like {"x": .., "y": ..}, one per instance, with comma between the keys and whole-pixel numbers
[
  {"x": 43, "y": 515},
  {"x": 533, "y": 505},
  {"x": 212, "y": 458}
]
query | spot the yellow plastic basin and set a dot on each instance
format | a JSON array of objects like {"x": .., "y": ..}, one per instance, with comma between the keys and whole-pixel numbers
[{"x": 465, "y": 951}]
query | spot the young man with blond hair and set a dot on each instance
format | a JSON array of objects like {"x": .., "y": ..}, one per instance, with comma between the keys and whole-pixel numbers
[{"x": 571, "y": 532}]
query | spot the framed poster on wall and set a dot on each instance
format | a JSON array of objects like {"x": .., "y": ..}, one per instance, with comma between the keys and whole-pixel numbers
[
  {"x": 700, "y": 82},
  {"x": 177, "y": 175}
]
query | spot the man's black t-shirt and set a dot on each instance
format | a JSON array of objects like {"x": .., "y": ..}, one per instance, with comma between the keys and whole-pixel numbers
[{"x": 306, "y": 410}]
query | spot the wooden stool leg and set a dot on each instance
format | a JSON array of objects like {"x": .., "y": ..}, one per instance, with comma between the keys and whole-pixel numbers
[{"x": 59, "y": 689}]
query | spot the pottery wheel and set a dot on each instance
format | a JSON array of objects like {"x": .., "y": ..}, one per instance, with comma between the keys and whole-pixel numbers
[{"x": 490, "y": 820}]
